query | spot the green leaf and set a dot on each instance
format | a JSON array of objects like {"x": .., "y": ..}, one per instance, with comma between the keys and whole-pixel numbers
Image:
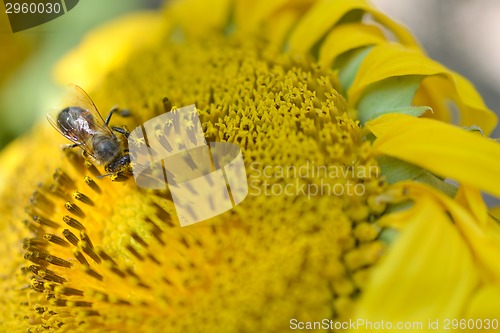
[
  {"x": 474, "y": 128},
  {"x": 388, "y": 235},
  {"x": 415, "y": 111},
  {"x": 394, "y": 94},
  {"x": 396, "y": 170},
  {"x": 348, "y": 65},
  {"x": 429, "y": 179}
]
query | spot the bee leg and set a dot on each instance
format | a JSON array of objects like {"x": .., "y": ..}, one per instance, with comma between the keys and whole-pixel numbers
[
  {"x": 115, "y": 109},
  {"x": 121, "y": 131},
  {"x": 70, "y": 146}
]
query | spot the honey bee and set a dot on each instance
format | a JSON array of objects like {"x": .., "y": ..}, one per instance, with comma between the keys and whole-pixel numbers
[{"x": 82, "y": 124}]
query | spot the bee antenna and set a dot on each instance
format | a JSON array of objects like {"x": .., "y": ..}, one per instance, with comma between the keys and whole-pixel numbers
[{"x": 103, "y": 176}]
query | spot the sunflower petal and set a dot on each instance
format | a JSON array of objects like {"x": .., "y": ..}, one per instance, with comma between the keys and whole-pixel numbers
[
  {"x": 483, "y": 239},
  {"x": 324, "y": 15},
  {"x": 471, "y": 199},
  {"x": 347, "y": 37},
  {"x": 421, "y": 266},
  {"x": 495, "y": 212},
  {"x": 391, "y": 60},
  {"x": 219, "y": 13},
  {"x": 441, "y": 148},
  {"x": 485, "y": 305},
  {"x": 251, "y": 14}
]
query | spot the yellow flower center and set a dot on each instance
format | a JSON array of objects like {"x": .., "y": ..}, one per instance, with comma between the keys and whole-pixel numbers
[{"x": 109, "y": 256}]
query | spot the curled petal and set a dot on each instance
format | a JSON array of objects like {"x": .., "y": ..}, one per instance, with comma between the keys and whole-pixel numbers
[
  {"x": 441, "y": 148},
  {"x": 391, "y": 60}
]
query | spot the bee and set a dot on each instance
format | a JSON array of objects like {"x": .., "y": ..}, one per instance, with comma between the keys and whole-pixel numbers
[{"x": 82, "y": 124}]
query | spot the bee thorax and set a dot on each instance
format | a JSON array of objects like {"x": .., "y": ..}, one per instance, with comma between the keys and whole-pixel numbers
[{"x": 105, "y": 148}]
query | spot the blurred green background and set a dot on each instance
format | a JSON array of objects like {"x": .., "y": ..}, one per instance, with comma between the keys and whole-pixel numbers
[{"x": 27, "y": 58}]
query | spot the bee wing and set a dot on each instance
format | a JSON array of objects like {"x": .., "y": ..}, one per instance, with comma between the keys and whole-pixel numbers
[
  {"x": 86, "y": 125},
  {"x": 74, "y": 136},
  {"x": 78, "y": 97}
]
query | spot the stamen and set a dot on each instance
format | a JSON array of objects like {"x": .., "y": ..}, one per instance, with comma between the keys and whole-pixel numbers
[
  {"x": 74, "y": 158},
  {"x": 55, "y": 239},
  {"x": 58, "y": 191},
  {"x": 57, "y": 261},
  {"x": 122, "y": 302},
  {"x": 71, "y": 237},
  {"x": 106, "y": 257},
  {"x": 92, "y": 273},
  {"x": 58, "y": 302},
  {"x": 80, "y": 257},
  {"x": 92, "y": 169},
  {"x": 74, "y": 209},
  {"x": 31, "y": 256},
  {"x": 66, "y": 291},
  {"x": 134, "y": 252},
  {"x": 91, "y": 313},
  {"x": 88, "y": 247},
  {"x": 164, "y": 142},
  {"x": 153, "y": 259},
  {"x": 74, "y": 223},
  {"x": 82, "y": 304},
  {"x": 163, "y": 215},
  {"x": 46, "y": 274},
  {"x": 92, "y": 255},
  {"x": 63, "y": 180},
  {"x": 37, "y": 285},
  {"x": 92, "y": 184},
  {"x": 138, "y": 239},
  {"x": 86, "y": 239},
  {"x": 35, "y": 229},
  {"x": 44, "y": 221},
  {"x": 184, "y": 241},
  {"x": 41, "y": 202},
  {"x": 156, "y": 231},
  {"x": 33, "y": 243},
  {"x": 117, "y": 271},
  {"x": 83, "y": 198}
]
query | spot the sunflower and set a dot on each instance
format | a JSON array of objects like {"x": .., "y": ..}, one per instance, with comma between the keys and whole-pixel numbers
[{"x": 345, "y": 127}]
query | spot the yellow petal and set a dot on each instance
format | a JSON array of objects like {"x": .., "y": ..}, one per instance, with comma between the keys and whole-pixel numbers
[
  {"x": 484, "y": 242},
  {"x": 397, "y": 220},
  {"x": 281, "y": 26},
  {"x": 391, "y": 60},
  {"x": 417, "y": 281},
  {"x": 470, "y": 198},
  {"x": 208, "y": 14},
  {"x": 347, "y": 37},
  {"x": 482, "y": 239},
  {"x": 486, "y": 305},
  {"x": 251, "y": 14},
  {"x": 495, "y": 211},
  {"x": 325, "y": 14},
  {"x": 441, "y": 148},
  {"x": 108, "y": 47}
]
